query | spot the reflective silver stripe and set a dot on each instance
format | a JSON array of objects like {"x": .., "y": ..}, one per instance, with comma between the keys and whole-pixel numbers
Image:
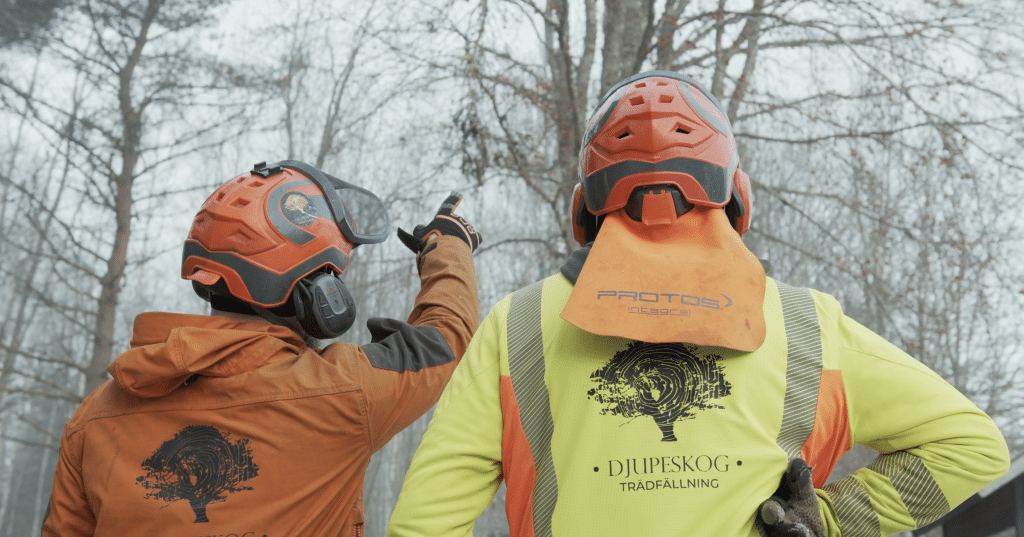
[
  {"x": 526, "y": 367},
  {"x": 803, "y": 367},
  {"x": 915, "y": 484},
  {"x": 853, "y": 509}
]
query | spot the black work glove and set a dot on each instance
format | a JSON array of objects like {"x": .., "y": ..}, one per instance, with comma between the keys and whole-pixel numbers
[
  {"x": 793, "y": 510},
  {"x": 444, "y": 223}
]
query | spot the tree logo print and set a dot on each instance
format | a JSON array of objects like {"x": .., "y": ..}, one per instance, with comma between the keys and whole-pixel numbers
[
  {"x": 666, "y": 381},
  {"x": 200, "y": 465},
  {"x": 298, "y": 209}
]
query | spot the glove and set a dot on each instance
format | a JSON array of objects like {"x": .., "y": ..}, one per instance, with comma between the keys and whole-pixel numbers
[
  {"x": 444, "y": 223},
  {"x": 793, "y": 510}
]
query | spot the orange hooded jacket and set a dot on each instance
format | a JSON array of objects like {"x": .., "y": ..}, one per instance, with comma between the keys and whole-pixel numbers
[{"x": 215, "y": 427}]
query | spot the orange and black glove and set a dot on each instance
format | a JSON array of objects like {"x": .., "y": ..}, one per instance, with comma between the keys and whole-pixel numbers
[
  {"x": 793, "y": 510},
  {"x": 444, "y": 223}
]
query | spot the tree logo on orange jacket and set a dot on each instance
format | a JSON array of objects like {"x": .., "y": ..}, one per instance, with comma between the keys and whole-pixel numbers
[
  {"x": 200, "y": 465},
  {"x": 666, "y": 381}
]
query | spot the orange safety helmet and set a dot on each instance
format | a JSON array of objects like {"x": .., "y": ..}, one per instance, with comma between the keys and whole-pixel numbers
[
  {"x": 661, "y": 129},
  {"x": 261, "y": 235}
]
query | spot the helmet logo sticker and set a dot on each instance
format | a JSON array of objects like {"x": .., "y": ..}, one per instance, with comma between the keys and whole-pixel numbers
[
  {"x": 277, "y": 212},
  {"x": 298, "y": 209},
  {"x": 668, "y": 382},
  {"x": 200, "y": 465}
]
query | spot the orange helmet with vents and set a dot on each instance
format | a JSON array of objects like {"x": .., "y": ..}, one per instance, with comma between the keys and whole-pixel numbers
[
  {"x": 658, "y": 128},
  {"x": 263, "y": 231}
]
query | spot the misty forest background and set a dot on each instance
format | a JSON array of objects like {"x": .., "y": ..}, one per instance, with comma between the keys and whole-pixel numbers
[{"x": 884, "y": 140}]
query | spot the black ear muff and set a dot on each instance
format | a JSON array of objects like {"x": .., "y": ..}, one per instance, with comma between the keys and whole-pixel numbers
[
  {"x": 323, "y": 306},
  {"x": 587, "y": 224},
  {"x": 734, "y": 209}
]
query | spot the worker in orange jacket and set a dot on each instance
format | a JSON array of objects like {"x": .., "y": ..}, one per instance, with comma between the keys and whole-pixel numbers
[{"x": 237, "y": 423}]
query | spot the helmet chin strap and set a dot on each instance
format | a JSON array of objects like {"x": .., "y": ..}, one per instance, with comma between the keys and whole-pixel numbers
[{"x": 287, "y": 322}]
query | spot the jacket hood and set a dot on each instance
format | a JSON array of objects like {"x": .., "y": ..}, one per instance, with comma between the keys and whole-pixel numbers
[{"x": 167, "y": 349}]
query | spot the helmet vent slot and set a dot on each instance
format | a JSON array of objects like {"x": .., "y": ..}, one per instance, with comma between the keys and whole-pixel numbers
[
  {"x": 665, "y": 99},
  {"x": 256, "y": 184},
  {"x": 636, "y": 100},
  {"x": 240, "y": 202},
  {"x": 681, "y": 129},
  {"x": 641, "y": 85},
  {"x": 221, "y": 196},
  {"x": 240, "y": 237},
  {"x": 623, "y": 135}
]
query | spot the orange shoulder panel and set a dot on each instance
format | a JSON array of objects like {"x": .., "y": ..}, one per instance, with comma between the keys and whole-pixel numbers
[
  {"x": 516, "y": 465},
  {"x": 830, "y": 437}
]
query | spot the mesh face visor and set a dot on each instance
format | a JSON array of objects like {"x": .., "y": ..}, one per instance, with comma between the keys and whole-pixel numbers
[{"x": 359, "y": 213}]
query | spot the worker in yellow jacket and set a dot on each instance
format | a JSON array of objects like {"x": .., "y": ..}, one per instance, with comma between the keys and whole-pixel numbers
[{"x": 662, "y": 385}]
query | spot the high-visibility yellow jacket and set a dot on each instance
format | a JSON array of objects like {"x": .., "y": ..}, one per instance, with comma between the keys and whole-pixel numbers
[{"x": 606, "y": 436}]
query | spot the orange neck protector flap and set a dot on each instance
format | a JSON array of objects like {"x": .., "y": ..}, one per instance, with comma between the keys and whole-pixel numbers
[{"x": 691, "y": 281}]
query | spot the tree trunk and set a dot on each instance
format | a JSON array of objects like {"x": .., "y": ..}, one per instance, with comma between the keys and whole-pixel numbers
[
  {"x": 45, "y": 472},
  {"x": 569, "y": 102},
  {"x": 625, "y": 39},
  {"x": 131, "y": 122}
]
